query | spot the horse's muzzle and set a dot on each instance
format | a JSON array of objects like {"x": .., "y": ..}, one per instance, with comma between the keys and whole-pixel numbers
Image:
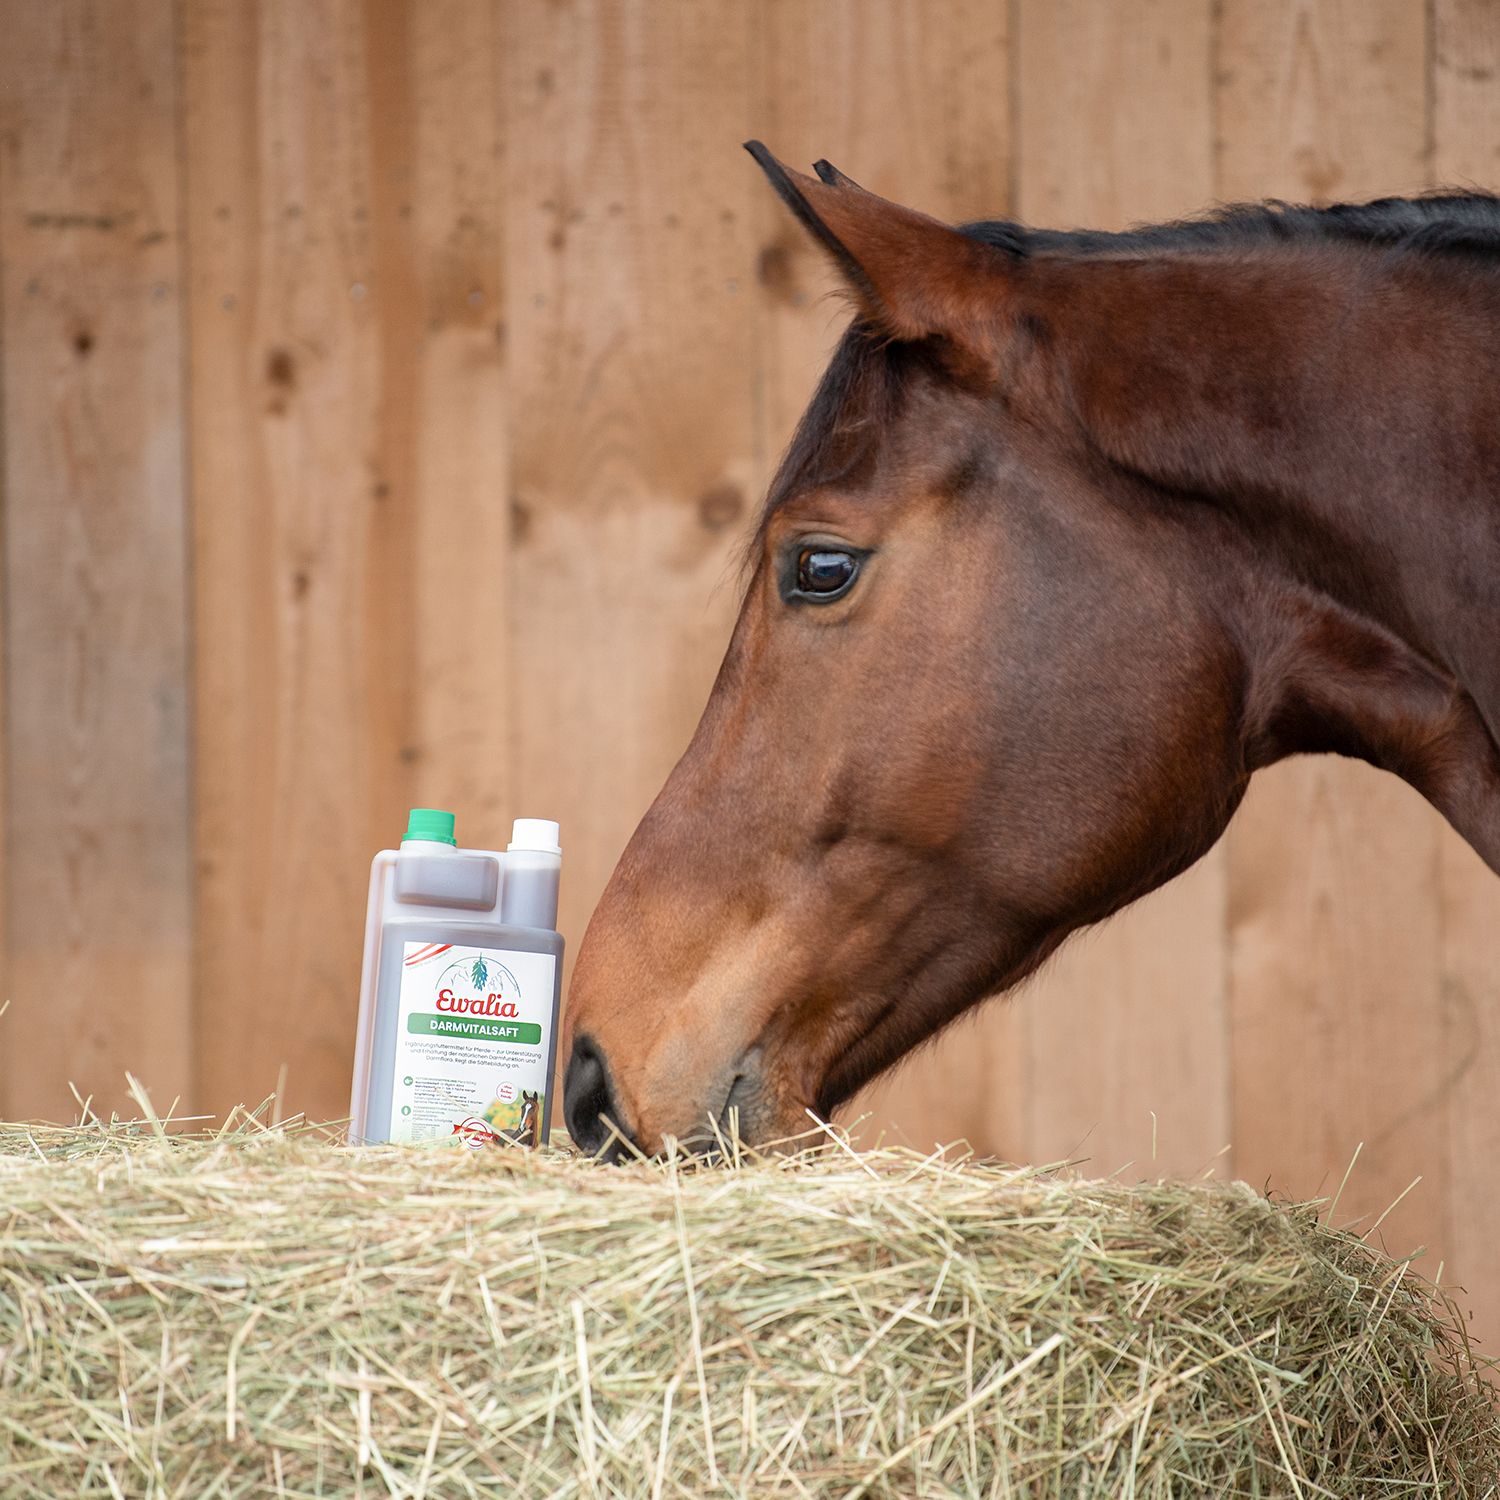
[{"x": 589, "y": 1103}]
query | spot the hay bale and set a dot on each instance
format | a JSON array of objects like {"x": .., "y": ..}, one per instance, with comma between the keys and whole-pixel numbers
[{"x": 265, "y": 1313}]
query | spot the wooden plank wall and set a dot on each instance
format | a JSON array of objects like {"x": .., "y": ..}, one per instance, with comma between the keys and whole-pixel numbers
[
  {"x": 385, "y": 388},
  {"x": 97, "y": 872}
]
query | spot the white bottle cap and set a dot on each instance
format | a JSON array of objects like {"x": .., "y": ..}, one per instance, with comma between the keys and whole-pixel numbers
[{"x": 539, "y": 835}]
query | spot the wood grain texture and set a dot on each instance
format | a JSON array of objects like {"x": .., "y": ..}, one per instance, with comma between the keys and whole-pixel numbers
[
  {"x": 348, "y": 443},
  {"x": 1334, "y": 918},
  {"x": 1470, "y": 958},
  {"x": 1466, "y": 94},
  {"x": 1321, "y": 100},
  {"x": 8, "y": 1035},
  {"x": 920, "y": 113},
  {"x": 633, "y": 466},
  {"x": 1466, "y": 151},
  {"x": 1127, "y": 1030},
  {"x": 916, "y": 112},
  {"x": 97, "y": 864},
  {"x": 447, "y": 214}
]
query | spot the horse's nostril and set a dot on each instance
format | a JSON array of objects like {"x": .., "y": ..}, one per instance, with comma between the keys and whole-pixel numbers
[{"x": 587, "y": 1102}]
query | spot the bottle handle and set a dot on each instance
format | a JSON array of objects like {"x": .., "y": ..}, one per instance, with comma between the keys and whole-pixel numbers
[{"x": 369, "y": 976}]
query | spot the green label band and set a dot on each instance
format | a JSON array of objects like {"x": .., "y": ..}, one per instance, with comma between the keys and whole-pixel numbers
[{"x": 476, "y": 1029}]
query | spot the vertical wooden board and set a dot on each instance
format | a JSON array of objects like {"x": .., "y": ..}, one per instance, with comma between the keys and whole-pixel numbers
[
  {"x": 348, "y": 449},
  {"x": 1321, "y": 100},
  {"x": 629, "y": 317},
  {"x": 447, "y": 223},
  {"x": 1336, "y": 1027},
  {"x": 295, "y": 678},
  {"x": 7, "y": 1029},
  {"x": 1115, "y": 112},
  {"x": 97, "y": 854},
  {"x": 916, "y": 111},
  {"x": 1471, "y": 1081},
  {"x": 1128, "y": 1028},
  {"x": 1466, "y": 94},
  {"x": 914, "y": 106},
  {"x": 1466, "y": 151}
]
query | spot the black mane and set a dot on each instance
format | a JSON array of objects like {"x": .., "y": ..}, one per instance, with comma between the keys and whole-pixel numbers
[
  {"x": 1464, "y": 223},
  {"x": 862, "y": 385}
]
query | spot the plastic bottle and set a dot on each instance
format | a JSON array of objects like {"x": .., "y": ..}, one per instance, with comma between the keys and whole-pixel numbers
[{"x": 459, "y": 996}]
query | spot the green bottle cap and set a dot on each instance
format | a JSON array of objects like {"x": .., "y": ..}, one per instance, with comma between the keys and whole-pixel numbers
[{"x": 430, "y": 824}]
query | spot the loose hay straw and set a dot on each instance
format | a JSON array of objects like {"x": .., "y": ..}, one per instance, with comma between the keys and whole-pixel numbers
[{"x": 264, "y": 1312}]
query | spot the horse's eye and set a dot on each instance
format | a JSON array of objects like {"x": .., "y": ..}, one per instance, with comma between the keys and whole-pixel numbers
[{"x": 825, "y": 574}]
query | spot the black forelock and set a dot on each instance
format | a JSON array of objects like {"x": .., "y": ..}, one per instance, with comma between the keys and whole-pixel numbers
[{"x": 856, "y": 396}]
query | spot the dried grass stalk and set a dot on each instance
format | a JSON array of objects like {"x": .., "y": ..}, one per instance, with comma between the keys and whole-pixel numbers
[{"x": 262, "y": 1312}]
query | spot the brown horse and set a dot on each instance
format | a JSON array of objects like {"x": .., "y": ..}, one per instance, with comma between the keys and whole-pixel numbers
[
  {"x": 1079, "y": 531},
  {"x": 529, "y": 1128}
]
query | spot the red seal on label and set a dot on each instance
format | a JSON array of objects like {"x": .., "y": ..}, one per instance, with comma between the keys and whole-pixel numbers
[{"x": 475, "y": 1133}]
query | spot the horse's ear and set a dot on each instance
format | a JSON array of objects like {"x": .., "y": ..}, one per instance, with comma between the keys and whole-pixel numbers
[
  {"x": 915, "y": 277},
  {"x": 826, "y": 171}
]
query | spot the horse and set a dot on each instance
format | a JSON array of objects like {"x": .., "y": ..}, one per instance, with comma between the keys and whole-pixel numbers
[
  {"x": 1079, "y": 531},
  {"x": 529, "y": 1127}
]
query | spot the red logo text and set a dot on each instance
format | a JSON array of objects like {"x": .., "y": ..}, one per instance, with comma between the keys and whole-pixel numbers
[{"x": 486, "y": 1005}]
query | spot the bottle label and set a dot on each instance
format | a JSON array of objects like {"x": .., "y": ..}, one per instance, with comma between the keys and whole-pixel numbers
[{"x": 472, "y": 1045}]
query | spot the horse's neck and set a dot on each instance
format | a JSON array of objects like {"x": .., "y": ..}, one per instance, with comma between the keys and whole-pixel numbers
[{"x": 1346, "y": 419}]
